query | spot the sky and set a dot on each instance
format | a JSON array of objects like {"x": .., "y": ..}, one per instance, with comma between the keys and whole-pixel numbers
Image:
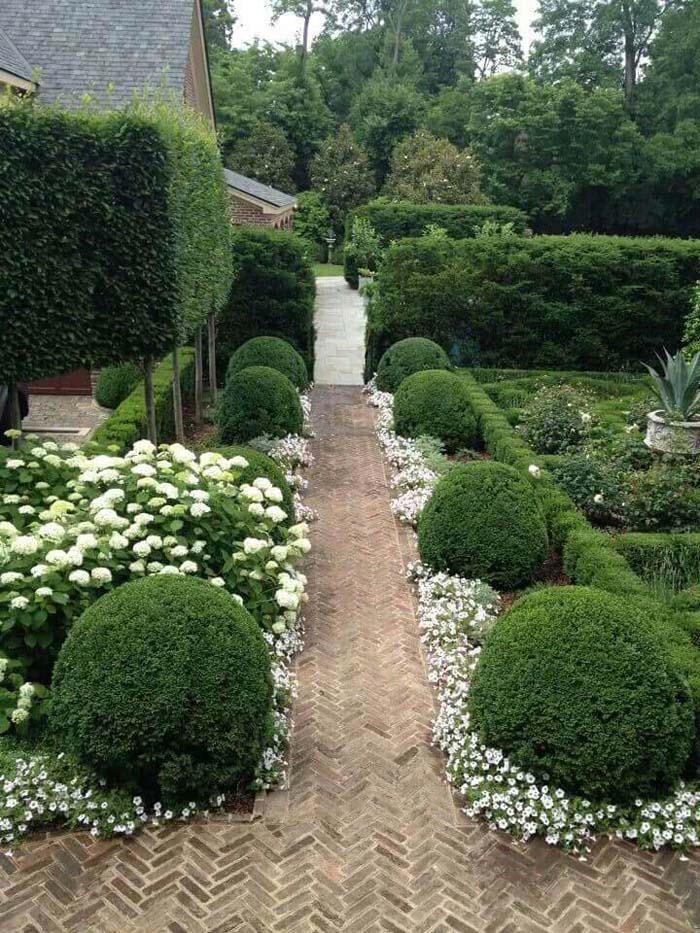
[{"x": 254, "y": 22}]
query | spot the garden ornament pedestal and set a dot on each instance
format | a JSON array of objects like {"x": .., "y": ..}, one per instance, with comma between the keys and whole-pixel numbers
[{"x": 672, "y": 437}]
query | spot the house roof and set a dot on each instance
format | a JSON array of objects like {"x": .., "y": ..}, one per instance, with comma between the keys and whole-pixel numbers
[
  {"x": 255, "y": 189},
  {"x": 12, "y": 60},
  {"x": 104, "y": 47}
]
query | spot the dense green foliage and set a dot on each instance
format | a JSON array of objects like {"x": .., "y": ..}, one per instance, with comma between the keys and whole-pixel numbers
[
  {"x": 407, "y": 357},
  {"x": 428, "y": 170},
  {"x": 258, "y": 401},
  {"x": 128, "y": 423},
  {"x": 273, "y": 294},
  {"x": 674, "y": 558},
  {"x": 341, "y": 175},
  {"x": 557, "y": 419},
  {"x": 164, "y": 686},
  {"x": 435, "y": 403},
  {"x": 578, "y": 685},
  {"x": 273, "y": 352},
  {"x": 115, "y": 383},
  {"x": 259, "y": 464},
  {"x": 484, "y": 522},
  {"x": 586, "y": 302},
  {"x": 84, "y": 198},
  {"x": 266, "y": 156}
]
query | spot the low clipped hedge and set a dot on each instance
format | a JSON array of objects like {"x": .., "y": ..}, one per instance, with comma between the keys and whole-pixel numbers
[
  {"x": 116, "y": 383},
  {"x": 483, "y": 522},
  {"x": 273, "y": 293},
  {"x": 435, "y": 403},
  {"x": 396, "y": 220},
  {"x": 164, "y": 686},
  {"x": 273, "y": 352},
  {"x": 407, "y": 357},
  {"x": 258, "y": 401},
  {"x": 259, "y": 464},
  {"x": 129, "y": 424},
  {"x": 576, "y": 684}
]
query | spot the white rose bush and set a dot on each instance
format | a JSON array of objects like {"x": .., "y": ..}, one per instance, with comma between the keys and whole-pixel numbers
[
  {"x": 455, "y": 616},
  {"x": 75, "y": 525}
]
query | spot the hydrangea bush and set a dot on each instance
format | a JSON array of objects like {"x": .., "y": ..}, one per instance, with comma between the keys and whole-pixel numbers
[
  {"x": 74, "y": 525},
  {"x": 455, "y": 616}
]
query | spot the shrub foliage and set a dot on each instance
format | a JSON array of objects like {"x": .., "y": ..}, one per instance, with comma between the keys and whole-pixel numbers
[
  {"x": 273, "y": 293},
  {"x": 435, "y": 403},
  {"x": 164, "y": 685},
  {"x": 259, "y": 464},
  {"x": 115, "y": 383},
  {"x": 483, "y": 522},
  {"x": 407, "y": 357},
  {"x": 576, "y": 302},
  {"x": 576, "y": 684},
  {"x": 258, "y": 401},
  {"x": 273, "y": 352}
]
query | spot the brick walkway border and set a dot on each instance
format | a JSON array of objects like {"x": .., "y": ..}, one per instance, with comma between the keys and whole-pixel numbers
[{"x": 372, "y": 840}]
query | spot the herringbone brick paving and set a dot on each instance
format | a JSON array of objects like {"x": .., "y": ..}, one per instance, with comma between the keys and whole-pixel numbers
[{"x": 372, "y": 840}]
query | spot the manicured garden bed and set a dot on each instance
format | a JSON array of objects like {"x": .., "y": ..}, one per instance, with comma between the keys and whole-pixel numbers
[{"x": 653, "y": 802}]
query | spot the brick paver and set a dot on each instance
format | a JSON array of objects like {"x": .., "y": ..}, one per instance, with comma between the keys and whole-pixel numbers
[{"x": 371, "y": 840}]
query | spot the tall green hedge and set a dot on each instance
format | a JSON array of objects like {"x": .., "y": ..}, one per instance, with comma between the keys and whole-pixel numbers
[
  {"x": 396, "y": 220},
  {"x": 272, "y": 295},
  {"x": 114, "y": 233},
  {"x": 576, "y": 302},
  {"x": 88, "y": 270}
]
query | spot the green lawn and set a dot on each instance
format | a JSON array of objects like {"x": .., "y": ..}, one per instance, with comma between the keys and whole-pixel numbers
[{"x": 323, "y": 270}]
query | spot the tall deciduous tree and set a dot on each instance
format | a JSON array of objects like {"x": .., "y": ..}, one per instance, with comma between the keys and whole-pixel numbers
[
  {"x": 598, "y": 42},
  {"x": 219, "y": 20},
  {"x": 342, "y": 176},
  {"x": 385, "y": 113},
  {"x": 305, "y": 10},
  {"x": 497, "y": 40}
]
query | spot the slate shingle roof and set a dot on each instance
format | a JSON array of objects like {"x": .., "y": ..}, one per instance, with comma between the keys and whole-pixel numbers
[
  {"x": 12, "y": 60},
  {"x": 257, "y": 190},
  {"x": 91, "y": 46}
]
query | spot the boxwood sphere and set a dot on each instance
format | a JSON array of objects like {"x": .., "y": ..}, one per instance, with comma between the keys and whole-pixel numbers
[
  {"x": 273, "y": 352},
  {"x": 484, "y": 522},
  {"x": 577, "y": 685},
  {"x": 403, "y": 359},
  {"x": 256, "y": 401},
  {"x": 115, "y": 383},
  {"x": 164, "y": 686},
  {"x": 435, "y": 403},
  {"x": 259, "y": 464}
]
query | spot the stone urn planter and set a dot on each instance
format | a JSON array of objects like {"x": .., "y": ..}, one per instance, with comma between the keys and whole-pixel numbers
[{"x": 672, "y": 437}]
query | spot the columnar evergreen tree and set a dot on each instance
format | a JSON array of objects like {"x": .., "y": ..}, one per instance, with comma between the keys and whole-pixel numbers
[{"x": 341, "y": 174}]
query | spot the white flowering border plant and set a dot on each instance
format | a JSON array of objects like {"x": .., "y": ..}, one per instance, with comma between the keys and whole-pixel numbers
[
  {"x": 455, "y": 616},
  {"x": 74, "y": 525}
]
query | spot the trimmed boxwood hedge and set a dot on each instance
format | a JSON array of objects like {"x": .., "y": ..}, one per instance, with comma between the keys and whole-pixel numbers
[
  {"x": 396, "y": 220},
  {"x": 128, "y": 423},
  {"x": 577, "y": 684},
  {"x": 259, "y": 464},
  {"x": 115, "y": 383},
  {"x": 273, "y": 352},
  {"x": 272, "y": 295},
  {"x": 258, "y": 401},
  {"x": 568, "y": 302},
  {"x": 435, "y": 403},
  {"x": 483, "y": 522},
  {"x": 407, "y": 357},
  {"x": 164, "y": 686}
]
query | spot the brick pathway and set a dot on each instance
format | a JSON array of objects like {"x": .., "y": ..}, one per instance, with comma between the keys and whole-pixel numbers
[{"x": 371, "y": 840}]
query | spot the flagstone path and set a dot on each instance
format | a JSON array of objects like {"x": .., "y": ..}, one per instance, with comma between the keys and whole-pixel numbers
[
  {"x": 368, "y": 838},
  {"x": 340, "y": 333}
]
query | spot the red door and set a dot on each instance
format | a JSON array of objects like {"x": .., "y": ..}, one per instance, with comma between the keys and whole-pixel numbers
[{"x": 75, "y": 383}]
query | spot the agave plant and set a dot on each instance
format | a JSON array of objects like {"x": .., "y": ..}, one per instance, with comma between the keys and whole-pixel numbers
[{"x": 677, "y": 386}]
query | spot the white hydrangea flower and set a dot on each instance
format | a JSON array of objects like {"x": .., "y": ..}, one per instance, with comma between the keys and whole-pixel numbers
[
  {"x": 45, "y": 592},
  {"x": 143, "y": 469},
  {"x": 101, "y": 575},
  {"x": 137, "y": 566},
  {"x": 87, "y": 542},
  {"x": 263, "y": 483},
  {"x": 8, "y": 530},
  {"x": 144, "y": 447},
  {"x": 79, "y": 577},
  {"x": 25, "y": 545},
  {"x": 141, "y": 549},
  {"x": 19, "y": 716},
  {"x": 10, "y": 577},
  {"x": 277, "y": 515},
  {"x": 19, "y": 602},
  {"x": 256, "y": 509},
  {"x": 280, "y": 553},
  {"x": 218, "y": 581},
  {"x": 199, "y": 509},
  {"x": 188, "y": 566},
  {"x": 274, "y": 494},
  {"x": 287, "y": 600},
  {"x": 254, "y": 545},
  {"x": 251, "y": 493}
]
